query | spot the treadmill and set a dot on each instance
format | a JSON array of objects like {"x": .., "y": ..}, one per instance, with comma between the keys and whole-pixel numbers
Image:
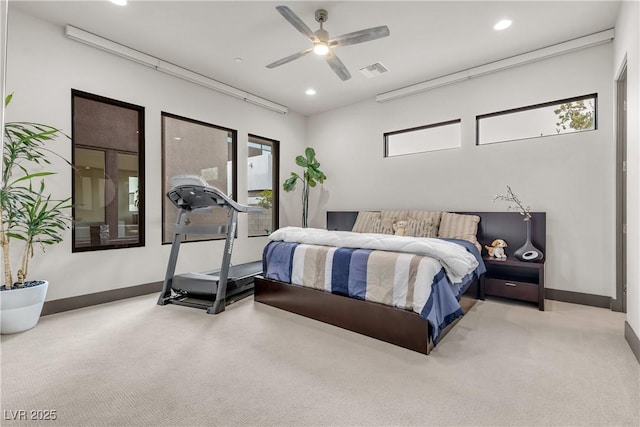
[{"x": 210, "y": 290}]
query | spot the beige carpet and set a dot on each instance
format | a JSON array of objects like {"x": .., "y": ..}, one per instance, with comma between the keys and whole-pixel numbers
[{"x": 134, "y": 363}]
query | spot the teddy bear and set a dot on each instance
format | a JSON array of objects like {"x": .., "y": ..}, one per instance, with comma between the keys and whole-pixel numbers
[
  {"x": 497, "y": 249},
  {"x": 400, "y": 228}
]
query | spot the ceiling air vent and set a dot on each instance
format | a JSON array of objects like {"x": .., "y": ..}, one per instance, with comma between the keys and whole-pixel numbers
[{"x": 374, "y": 70}]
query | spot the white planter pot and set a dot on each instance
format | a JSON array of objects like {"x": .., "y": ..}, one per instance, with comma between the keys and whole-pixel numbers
[{"x": 20, "y": 308}]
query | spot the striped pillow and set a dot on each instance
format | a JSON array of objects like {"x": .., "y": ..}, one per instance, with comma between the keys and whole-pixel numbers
[
  {"x": 394, "y": 216},
  {"x": 365, "y": 222},
  {"x": 421, "y": 228},
  {"x": 382, "y": 226},
  {"x": 434, "y": 216},
  {"x": 458, "y": 226}
]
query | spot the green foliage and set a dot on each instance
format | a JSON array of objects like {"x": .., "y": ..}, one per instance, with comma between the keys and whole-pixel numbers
[
  {"x": 28, "y": 214},
  {"x": 574, "y": 115},
  {"x": 290, "y": 183},
  {"x": 41, "y": 220},
  {"x": 310, "y": 178},
  {"x": 312, "y": 174},
  {"x": 266, "y": 199}
]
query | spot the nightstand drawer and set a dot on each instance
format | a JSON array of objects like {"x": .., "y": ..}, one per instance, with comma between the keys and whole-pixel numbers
[{"x": 511, "y": 289}]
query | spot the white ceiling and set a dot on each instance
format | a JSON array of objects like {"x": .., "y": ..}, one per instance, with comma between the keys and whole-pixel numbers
[{"x": 428, "y": 39}]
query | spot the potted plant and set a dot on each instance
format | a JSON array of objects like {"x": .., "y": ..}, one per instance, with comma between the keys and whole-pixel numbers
[
  {"x": 311, "y": 176},
  {"x": 29, "y": 215}
]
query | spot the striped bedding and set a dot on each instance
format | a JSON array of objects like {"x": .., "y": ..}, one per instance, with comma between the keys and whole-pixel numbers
[{"x": 420, "y": 274}]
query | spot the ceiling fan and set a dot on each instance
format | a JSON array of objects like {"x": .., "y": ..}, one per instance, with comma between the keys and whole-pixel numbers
[{"x": 322, "y": 44}]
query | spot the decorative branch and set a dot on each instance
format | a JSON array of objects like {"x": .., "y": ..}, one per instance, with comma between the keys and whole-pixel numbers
[{"x": 511, "y": 197}]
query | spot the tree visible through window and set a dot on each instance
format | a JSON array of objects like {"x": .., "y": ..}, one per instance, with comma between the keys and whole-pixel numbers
[
  {"x": 575, "y": 115},
  {"x": 550, "y": 118},
  {"x": 262, "y": 184}
]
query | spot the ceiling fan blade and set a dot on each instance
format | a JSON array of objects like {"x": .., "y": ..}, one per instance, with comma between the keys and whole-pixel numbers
[
  {"x": 290, "y": 58},
  {"x": 296, "y": 22},
  {"x": 338, "y": 67},
  {"x": 360, "y": 36}
]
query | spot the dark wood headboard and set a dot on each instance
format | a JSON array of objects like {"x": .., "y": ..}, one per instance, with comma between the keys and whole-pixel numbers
[{"x": 493, "y": 225}]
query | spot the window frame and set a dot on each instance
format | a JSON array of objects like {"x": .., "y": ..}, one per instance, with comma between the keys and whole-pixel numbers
[
  {"x": 386, "y": 136},
  {"x": 593, "y": 96},
  {"x": 234, "y": 170},
  {"x": 275, "y": 180},
  {"x": 141, "y": 170}
]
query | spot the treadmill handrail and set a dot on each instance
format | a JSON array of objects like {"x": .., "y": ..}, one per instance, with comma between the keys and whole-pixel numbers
[{"x": 189, "y": 189}]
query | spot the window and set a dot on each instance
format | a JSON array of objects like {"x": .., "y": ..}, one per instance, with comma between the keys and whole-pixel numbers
[
  {"x": 190, "y": 147},
  {"x": 108, "y": 182},
  {"x": 551, "y": 118},
  {"x": 438, "y": 136},
  {"x": 262, "y": 184}
]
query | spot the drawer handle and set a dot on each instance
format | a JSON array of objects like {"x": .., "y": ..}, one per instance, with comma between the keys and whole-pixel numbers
[{"x": 510, "y": 284}]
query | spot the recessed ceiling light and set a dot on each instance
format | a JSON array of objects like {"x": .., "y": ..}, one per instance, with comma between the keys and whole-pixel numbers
[
  {"x": 119, "y": 2},
  {"x": 310, "y": 91},
  {"x": 501, "y": 25},
  {"x": 238, "y": 60}
]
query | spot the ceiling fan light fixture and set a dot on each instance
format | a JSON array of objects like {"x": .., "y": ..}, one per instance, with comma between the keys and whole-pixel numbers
[
  {"x": 321, "y": 48},
  {"x": 322, "y": 44}
]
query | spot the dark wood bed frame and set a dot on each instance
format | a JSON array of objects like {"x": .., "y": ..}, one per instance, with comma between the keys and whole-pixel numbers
[{"x": 404, "y": 328}]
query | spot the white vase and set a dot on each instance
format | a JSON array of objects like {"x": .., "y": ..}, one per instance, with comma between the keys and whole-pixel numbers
[{"x": 20, "y": 308}]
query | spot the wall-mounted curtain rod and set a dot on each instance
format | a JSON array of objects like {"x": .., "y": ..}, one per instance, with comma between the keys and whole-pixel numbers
[
  {"x": 168, "y": 68},
  {"x": 503, "y": 64}
]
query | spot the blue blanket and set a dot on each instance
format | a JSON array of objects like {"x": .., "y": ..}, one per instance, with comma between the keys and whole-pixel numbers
[{"x": 408, "y": 281}]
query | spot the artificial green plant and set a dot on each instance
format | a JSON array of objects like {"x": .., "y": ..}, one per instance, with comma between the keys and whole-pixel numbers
[
  {"x": 27, "y": 211},
  {"x": 310, "y": 177}
]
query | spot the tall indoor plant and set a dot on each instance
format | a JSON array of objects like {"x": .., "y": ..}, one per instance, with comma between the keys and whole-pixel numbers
[
  {"x": 28, "y": 214},
  {"x": 311, "y": 176}
]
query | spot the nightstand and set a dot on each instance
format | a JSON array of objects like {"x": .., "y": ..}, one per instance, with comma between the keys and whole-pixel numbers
[{"x": 515, "y": 279}]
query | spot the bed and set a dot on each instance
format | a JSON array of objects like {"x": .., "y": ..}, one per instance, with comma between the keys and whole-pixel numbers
[{"x": 354, "y": 280}]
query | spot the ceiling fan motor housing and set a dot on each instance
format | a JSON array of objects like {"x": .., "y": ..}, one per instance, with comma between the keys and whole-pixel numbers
[
  {"x": 322, "y": 35},
  {"x": 322, "y": 16}
]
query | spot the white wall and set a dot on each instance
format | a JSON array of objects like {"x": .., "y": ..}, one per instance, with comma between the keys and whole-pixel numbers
[
  {"x": 571, "y": 177},
  {"x": 43, "y": 67},
  {"x": 627, "y": 45}
]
